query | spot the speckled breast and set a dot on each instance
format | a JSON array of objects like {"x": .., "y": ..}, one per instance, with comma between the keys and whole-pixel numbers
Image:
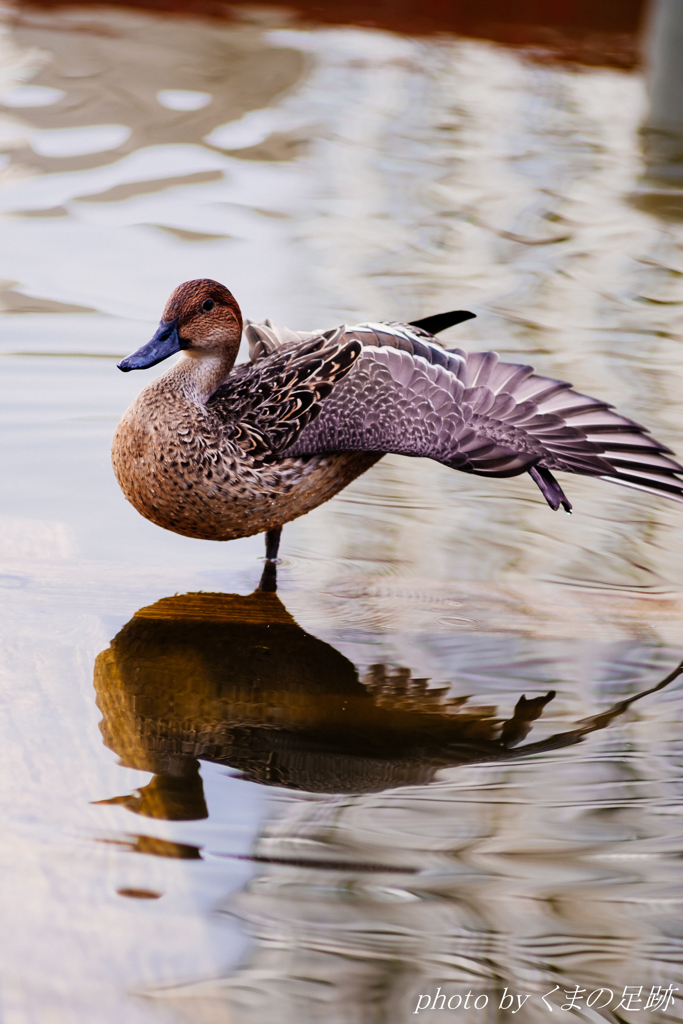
[{"x": 180, "y": 471}]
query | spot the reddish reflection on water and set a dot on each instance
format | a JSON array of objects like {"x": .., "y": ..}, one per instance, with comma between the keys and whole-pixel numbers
[{"x": 595, "y": 32}]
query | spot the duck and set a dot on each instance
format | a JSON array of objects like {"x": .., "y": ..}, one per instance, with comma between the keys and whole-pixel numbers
[{"x": 216, "y": 451}]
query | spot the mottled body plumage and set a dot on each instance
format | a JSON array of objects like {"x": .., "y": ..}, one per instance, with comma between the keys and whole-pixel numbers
[
  {"x": 205, "y": 468},
  {"x": 217, "y": 452}
]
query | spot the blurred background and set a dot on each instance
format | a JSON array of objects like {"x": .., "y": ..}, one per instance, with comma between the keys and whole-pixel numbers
[{"x": 331, "y": 163}]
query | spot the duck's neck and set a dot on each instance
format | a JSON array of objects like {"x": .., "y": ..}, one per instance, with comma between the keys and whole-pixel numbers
[{"x": 199, "y": 377}]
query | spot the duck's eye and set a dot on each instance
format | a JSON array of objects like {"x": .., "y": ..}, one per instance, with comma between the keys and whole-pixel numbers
[{"x": 207, "y": 305}]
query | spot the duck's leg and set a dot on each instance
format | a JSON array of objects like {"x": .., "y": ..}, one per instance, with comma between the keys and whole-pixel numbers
[
  {"x": 269, "y": 575},
  {"x": 550, "y": 489}
]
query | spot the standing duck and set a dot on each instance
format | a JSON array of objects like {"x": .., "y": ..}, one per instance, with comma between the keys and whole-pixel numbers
[{"x": 215, "y": 451}]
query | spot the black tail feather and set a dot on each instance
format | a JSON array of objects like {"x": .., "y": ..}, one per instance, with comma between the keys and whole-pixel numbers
[
  {"x": 550, "y": 489},
  {"x": 440, "y": 321}
]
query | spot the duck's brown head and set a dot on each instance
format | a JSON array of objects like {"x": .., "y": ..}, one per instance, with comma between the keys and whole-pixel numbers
[{"x": 201, "y": 317}]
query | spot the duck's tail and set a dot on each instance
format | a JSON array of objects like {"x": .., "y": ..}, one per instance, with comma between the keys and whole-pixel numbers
[{"x": 442, "y": 321}]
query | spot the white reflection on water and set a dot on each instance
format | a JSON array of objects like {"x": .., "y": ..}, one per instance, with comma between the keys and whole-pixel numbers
[
  {"x": 61, "y": 142},
  {"x": 331, "y": 175},
  {"x": 31, "y": 96},
  {"x": 183, "y": 99}
]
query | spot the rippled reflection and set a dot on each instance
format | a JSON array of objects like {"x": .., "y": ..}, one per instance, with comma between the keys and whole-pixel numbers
[
  {"x": 236, "y": 681},
  {"x": 222, "y": 75}
]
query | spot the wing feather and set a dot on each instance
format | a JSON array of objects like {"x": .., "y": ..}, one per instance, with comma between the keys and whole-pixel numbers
[
  {"x": 397, "y": 390},
  {"x": 266, "y": 405}
]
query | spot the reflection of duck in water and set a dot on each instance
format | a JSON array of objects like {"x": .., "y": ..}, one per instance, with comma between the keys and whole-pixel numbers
[
  {"x": 215, "y": 452},
  {"x": 236, "y": 681}
]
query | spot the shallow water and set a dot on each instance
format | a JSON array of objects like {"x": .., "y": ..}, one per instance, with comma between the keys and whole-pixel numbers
[{"x": 329, "y": 804}]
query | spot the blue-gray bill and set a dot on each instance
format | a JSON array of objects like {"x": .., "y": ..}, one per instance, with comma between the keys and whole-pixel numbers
[{"x": 165, "y": 343}]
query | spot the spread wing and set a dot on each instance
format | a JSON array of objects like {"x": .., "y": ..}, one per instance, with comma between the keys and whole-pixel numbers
[
  {"x": 473, "y": 412},
  {"x": 392, "y": 388}
]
